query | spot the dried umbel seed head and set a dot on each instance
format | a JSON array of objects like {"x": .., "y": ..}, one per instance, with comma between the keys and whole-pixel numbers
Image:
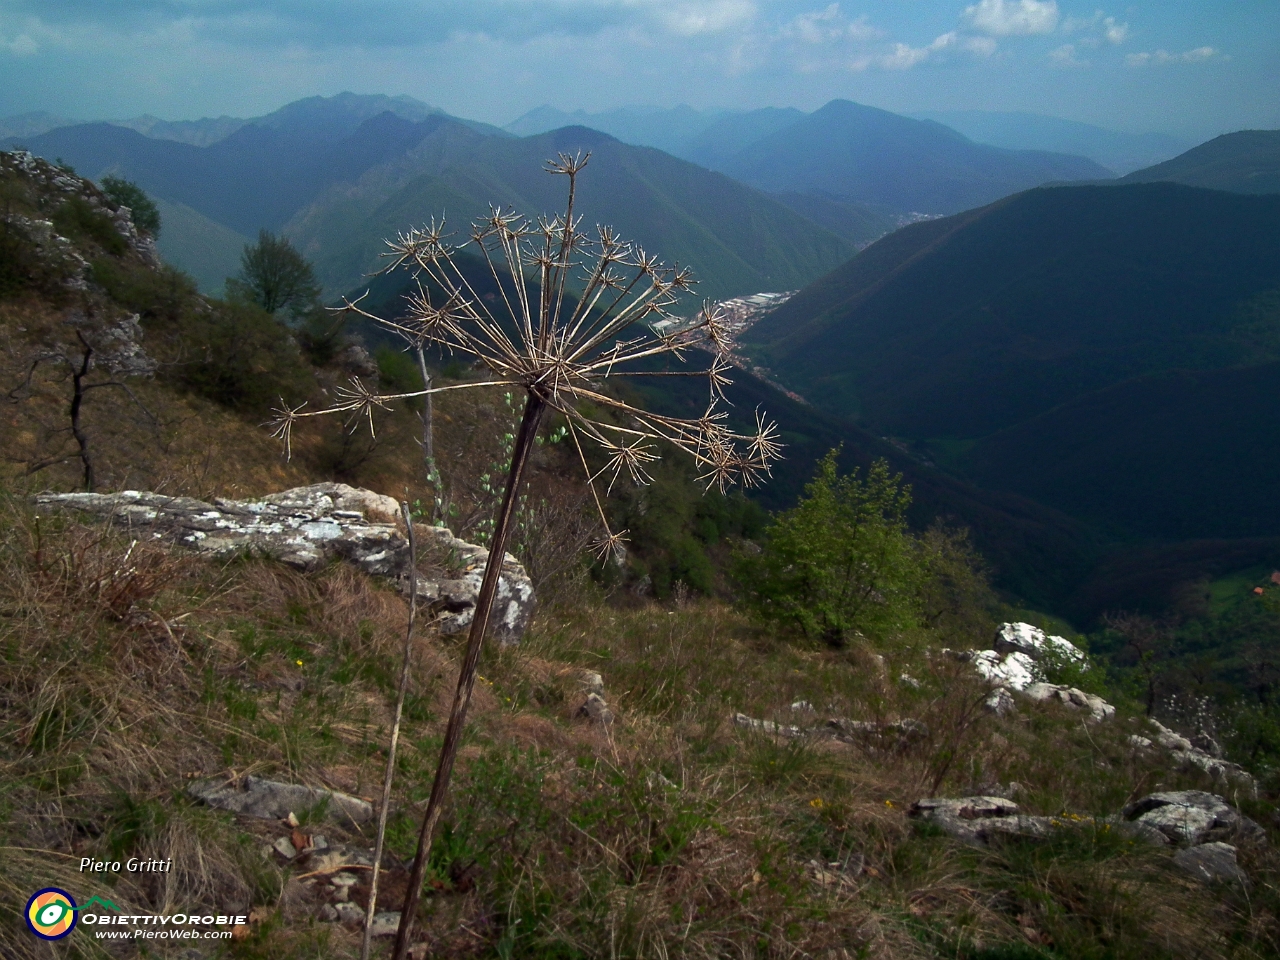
[{"x": 573, "y": 309}]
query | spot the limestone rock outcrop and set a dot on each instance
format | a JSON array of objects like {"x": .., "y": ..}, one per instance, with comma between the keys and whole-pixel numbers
[{"x": 306, "y": 527}]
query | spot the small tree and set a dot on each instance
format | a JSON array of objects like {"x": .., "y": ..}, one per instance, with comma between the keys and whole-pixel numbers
[
  {"x": 841, "y": 561},
  {"x": 275, "y": 276},
  {"x": 126, "y": 193}
]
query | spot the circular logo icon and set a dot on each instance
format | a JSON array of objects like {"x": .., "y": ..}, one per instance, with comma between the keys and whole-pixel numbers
[{"x": 51, "y": 913}]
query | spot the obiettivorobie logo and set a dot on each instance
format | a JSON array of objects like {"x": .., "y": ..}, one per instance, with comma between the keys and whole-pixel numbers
[{"x": 52, "y": 912}]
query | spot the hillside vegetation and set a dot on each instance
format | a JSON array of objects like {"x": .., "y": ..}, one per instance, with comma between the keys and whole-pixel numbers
[
  {"x": 1023, "y": 342},
  {"x": 1244, "y": 162}
]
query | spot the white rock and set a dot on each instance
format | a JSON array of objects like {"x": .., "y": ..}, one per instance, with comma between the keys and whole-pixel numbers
[
  {"x": 1000, "y": 702},
  {"x": 765, "y": 726},
  {"x": 1013, "y": 670},
  {"x": 1034, "y": 642}
]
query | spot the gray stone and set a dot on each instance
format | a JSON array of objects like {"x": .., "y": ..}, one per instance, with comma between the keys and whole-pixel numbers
[
  {"x": 1187, "y": 756},
  {"x": 596, "y": 710},
  {"x": 348, "y": 912},
  {"x": 284, "y": 846},
  {"x": 1191, "y": 817},
  {"x": 897, "y": 733},
  {"x": 305, "y": 527},
  {"x": 342, "y": 884},
  {"x": 766, "y": 726},
  {"x": 593, "y": 682},
  {"x": 1213, "y": 862},
  {"x": 1000, "y": 702},
  {"x": 385, "y": 924},
  {"x": 1072, "y": 698},
  {"x": 976, "y": 820},
  {"x": 270, "y": 800}
]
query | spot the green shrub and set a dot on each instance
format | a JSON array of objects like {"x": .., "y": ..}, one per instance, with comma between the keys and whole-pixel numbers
[
  {"x": 126, "y": 193},
  {"x": 244, "y": 358},
  {"x": 841, "y": 561},
  {"x": 77, "y": 219}
]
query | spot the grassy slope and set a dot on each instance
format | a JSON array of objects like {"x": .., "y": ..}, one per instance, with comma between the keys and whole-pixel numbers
[
  {"x": 120, "y": 681},
  {"x": 559, "y": 839}
]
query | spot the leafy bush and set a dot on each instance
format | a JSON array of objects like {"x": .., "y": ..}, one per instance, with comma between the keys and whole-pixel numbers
[
  {"x": 244, "y": 358},
  {"x": 126, "y": 193},
  {"x": 275, "y": 276},
  {"x": 841, "y": 561},
  {"x": 77, "y": 219}
]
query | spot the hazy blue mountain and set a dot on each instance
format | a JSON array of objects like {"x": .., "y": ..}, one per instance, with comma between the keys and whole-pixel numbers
[
  {"x": 1033, "y": 344},
  {"x": 205, "y": 249},
  {"x": 858, "y": 224},
  {"x": 1120, "y": 152},
  {"x": 736, "y": 239},
  {"x": 198, "y": 133},
  {"x": 865, "y": 155},
  {"x": 257, "y": 177},
  {"x": 734, "y": 132},
  {"x": 1244, "y": 162},
  {"x": 339, "y": 116},
  {"x": 671, "y": 129},
  {"x": 31, "y": 124}
]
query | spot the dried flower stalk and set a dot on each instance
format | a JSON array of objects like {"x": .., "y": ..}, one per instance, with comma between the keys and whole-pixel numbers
[{"x": 560, "y": 349}]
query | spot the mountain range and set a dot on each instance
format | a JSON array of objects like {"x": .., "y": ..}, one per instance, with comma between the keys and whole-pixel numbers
[
  {"x": 339, "y": 182},
  {"x": 1244, "y": 162},
  {"x": 844, "y": 152},
  {"x": 1018, "y": 130},
  {"x": 1067, "y": 369},
  {"x": 338, "y": 174}
]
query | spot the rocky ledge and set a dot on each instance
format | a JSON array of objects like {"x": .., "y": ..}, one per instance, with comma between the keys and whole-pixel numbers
[
  {"x": 1199, "y": 823},
  {"x": 307, "y": 527}
]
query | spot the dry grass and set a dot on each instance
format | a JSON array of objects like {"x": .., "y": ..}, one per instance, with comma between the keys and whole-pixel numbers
[{"x": 670, "y": 833}]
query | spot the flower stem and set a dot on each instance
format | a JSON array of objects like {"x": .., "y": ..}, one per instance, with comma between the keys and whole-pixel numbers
[
  {"x": 533, "y": 410},
  {"x": 383, "y": 807}
]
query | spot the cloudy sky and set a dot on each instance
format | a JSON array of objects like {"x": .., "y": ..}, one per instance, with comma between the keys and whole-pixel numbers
[{"x": 1189, "y": 67}]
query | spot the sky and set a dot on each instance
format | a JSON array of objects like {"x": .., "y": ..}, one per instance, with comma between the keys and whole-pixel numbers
[{"x": 1192, "y": 68}]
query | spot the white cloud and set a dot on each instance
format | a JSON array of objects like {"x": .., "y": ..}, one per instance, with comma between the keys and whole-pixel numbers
[
  {"x": 829, "y": 26},
  {"x": 1065, "y": 56},
  {"x": 1004, "y": 18},
  {"x": 1198, "y": 55},
  {"x": 20, "y": 46},
  {"x": 1096, "y": 30},
  {"x": 904, "y": 57},
  {"x": 717, "y": 16},
  {"x": 1114, "y": 32}
]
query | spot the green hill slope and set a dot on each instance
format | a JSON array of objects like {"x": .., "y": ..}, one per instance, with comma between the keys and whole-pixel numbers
[
  {"x": 993, "y": 332},
  {"x": 736, "y": 239},
  {"x": 1181, "y": 454},
  {"x": 1244, "y": 162}
]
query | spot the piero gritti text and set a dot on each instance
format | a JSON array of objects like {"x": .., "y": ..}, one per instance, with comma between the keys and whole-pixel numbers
[{"x": 132, "y": 865}]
